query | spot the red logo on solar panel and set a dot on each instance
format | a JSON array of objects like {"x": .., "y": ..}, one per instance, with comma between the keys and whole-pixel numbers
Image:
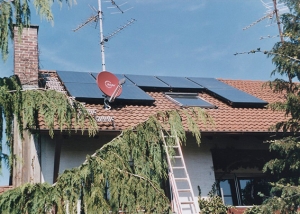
[{"x": 108, "y": 84}]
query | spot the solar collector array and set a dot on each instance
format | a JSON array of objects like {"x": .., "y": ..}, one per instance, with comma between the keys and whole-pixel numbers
[
  {"x": 82, "y": 85},
  {"x": 227, "y": 93},
  {"x": 130, "y": 92}
]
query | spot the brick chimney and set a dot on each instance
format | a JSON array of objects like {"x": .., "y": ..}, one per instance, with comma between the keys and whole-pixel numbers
[{"x": 26, "y": 59}]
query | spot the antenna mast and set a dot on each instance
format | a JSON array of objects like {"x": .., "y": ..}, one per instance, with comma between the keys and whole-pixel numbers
[
  {"x": 100, "y": 14},
  {"x": 99, "y": 17}
]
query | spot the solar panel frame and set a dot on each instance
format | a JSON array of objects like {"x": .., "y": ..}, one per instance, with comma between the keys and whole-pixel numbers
[
  {"x": 75, "y": 77},
  {"x": 146, "y": 81},
  {"x": 84, "y": 90},
  {"x": 180, "y": 82},
  {"x": 209, "y": 83},
  {"x": 231, "y": 95}
]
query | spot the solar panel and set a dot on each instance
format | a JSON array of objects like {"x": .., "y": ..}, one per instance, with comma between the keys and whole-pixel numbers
[
  {"x": 76, "y": 77},
  {"x": 179, "y": 82},
  {"x": 134, "y": 93},
  {"x": 84, "y": 90},
  {"x": 228, "y": 93},
  {"x": 189, "y": 100},
  {"x": 146, "y": 81},
  {"x": 238, "y": 97},
  {"x": 127, "y": 82},
  {"x": 209, "y": 83},
  {"x": 130, "y": 92}
]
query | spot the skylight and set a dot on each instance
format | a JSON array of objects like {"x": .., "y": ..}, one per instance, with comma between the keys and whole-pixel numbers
[{"x": 189, "y": 99}]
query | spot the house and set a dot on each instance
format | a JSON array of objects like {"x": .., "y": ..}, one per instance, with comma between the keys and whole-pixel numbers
[{"x": 232, "y": 150}]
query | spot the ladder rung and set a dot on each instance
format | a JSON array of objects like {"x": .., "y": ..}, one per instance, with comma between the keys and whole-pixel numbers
[
  {"x": 187, "y": 202},
  {"x": 174, "y": 146},
  {"x": 178, "y": 167},
  {"x": 176, "y": 156},
  {"x": 184, "y": 190},
  {"x": 181, "y": 179}
]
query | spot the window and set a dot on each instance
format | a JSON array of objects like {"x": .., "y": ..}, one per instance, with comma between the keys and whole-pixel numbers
[
  {"x": 188, "y": 99},
  {"x": 239, "y": 176},
  {"x": 242, "y": 191}
]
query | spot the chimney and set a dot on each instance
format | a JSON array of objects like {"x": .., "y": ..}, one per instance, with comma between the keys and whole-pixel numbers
[{"x": 26, "y": 59}]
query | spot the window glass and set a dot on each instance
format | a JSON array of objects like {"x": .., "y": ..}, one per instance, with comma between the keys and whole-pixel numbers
[
  {"x": 225, "y": 189},
  {"x": 189, "y": 99},
  {"x": 242, "y": 191},
  {"x": 249, "y": 189}
]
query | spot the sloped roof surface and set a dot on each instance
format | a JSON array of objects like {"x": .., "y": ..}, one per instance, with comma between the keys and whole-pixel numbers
[
  {"x": 5, "y": 188},
  {"x": 226, "y": 118}
]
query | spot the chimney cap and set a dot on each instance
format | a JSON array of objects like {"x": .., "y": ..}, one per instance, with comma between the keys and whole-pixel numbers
[{"x": 30, "y": 26}]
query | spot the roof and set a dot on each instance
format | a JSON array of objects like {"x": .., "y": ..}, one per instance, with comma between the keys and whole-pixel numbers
[
  {"x": 5, "y": 188},
  {"x": 226, "y": 118}
]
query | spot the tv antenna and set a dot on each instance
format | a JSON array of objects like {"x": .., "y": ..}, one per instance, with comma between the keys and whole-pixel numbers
[
  {"x": 273, "y": 13},
  {"x": 98, "y": 18}
]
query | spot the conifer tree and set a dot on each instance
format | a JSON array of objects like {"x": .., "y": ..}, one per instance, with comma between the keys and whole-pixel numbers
[
  {"x": 285, "y": 168},
  {"x": 107, "y": 181}
]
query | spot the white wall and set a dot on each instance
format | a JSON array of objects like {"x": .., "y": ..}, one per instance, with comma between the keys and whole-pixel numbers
[
  {"x": 198, "y": 159},
  {"x": 199, "y": 164},
  {"x": 74, "y": 150}
]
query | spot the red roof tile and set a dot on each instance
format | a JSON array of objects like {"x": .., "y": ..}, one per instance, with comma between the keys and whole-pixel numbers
[
  {"x": 226, "y": 118},
  {"x": 5, "y": 188}
]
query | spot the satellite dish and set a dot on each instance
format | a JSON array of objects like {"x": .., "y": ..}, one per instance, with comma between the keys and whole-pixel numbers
[{"x": 109, "y": 84}]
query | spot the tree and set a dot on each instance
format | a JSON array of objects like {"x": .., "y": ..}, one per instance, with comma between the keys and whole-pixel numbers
[
  {"x": 17, "y": 12},
  {"x": 27, "y": 106},
  {"x": 285, "y": 169},
  {"x": 106, "y": 181}
]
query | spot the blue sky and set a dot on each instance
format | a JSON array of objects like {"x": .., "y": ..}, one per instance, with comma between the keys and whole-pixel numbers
[{"x": 170, "y": 37}]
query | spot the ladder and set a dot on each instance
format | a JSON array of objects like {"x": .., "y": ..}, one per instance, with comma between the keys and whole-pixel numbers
[{"x": 182, "y": 195}]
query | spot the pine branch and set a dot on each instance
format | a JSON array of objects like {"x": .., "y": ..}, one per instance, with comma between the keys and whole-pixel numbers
[
  {"x": 137, "y": 176},
  {"x": 268, "y": 52}
]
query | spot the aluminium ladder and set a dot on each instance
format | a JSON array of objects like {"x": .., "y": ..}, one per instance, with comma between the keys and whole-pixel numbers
[{"x": 182, "y": 195}]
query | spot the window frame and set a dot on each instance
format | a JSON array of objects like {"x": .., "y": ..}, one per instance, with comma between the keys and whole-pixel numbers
[
  {"x": 173, "y": 95},
  {"x": 235, "y": 186}
]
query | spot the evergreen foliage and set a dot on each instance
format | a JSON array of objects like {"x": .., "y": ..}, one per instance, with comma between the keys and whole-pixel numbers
[
  {"x": 17, "y": 13},
  {"x": 284, "y": 170},
  {"x": 285, "y": 192},
  {"x": 213, "y": 203},
  {"x": 27, "y": 107},
  {"x": 126, "y": 174}
]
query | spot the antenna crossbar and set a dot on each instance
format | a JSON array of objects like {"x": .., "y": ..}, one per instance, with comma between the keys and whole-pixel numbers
[
  {"x": 106, "y": 38},
  {"x": 99, "y": 18},
  {"x": 91, "y": 19},
  {"x": 114, "y": 3}
]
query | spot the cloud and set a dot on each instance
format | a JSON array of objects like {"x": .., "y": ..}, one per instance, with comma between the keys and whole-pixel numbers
[
  {"x": 189, "y": 6},
  {"x": 206, "y": 53},
  {"x": 54, "y": 58},
  {"x": 196, "y": 7}
]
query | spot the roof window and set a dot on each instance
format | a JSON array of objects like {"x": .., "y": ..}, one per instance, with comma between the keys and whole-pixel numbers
[{"x": 188, "y": 99}]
